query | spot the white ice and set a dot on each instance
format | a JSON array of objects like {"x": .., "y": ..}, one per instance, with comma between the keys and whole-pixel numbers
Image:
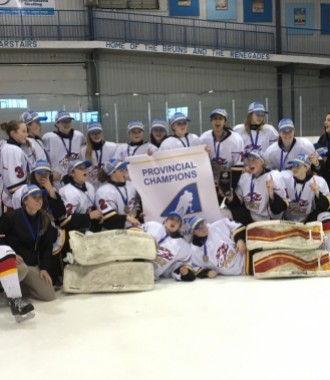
[{"x": 227, "y": 328}]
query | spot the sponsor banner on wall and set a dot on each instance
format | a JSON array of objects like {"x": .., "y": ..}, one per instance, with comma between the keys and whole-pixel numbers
[
  {"x": 27, "y": 8},
  {"x": 178, "y": 180}
]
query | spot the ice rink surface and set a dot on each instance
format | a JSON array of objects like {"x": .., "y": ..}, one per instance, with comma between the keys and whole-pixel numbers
[{"x": 227, "y": 328}]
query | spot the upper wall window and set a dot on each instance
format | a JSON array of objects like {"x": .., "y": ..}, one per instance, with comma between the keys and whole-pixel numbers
[{"x": 13, "y": 103}]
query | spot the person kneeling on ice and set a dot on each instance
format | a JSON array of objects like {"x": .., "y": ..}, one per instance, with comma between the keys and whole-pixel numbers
[
  {"x": 173, "y": 252},
  {"x": 218, "y": 248},
  {"x": 9, "y": 281}
]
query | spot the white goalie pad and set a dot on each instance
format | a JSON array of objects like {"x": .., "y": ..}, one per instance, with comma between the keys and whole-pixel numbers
[
  {"x": 109, "y": 278},
  {"x": 289, "y": 263},
  {"x": 282, "y": 234},
  {"x": 115, "y": 245}
]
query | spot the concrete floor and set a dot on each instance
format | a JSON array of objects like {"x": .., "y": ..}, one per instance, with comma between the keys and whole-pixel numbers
[{"x": 227, "y": 328}]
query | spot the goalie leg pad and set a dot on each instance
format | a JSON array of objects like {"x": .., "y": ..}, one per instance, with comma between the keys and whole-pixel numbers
[
  {"x": 109, "y": 277},
  {"x": 289, "y": 263},
  {"x": 115, "y": 245},
  {"x": 281, "y": 234}
]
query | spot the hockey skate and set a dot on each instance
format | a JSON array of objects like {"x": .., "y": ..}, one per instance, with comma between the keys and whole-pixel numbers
[{"x": 20, "y": 309}]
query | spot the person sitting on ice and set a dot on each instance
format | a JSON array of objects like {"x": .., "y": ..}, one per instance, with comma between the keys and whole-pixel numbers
[
  {"x": 308, "y": 194},
  {"x": 173, "y": 251},
  {"x": 218, "y": 248}
]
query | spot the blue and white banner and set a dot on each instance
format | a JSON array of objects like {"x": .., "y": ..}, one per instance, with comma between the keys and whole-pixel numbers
[
  {"x": 178, "y": 180},
  {"x": 27, "y": 8}
]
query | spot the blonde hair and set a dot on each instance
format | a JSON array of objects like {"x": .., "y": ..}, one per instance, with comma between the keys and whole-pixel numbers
[
  {"x": 89, "y": 147},
  {"x": 248, "y": 120}
]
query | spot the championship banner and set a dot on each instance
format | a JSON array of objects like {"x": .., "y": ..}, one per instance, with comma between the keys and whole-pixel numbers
[
  {"x": 178, "y": 180},
  {"x": 27, "y": 8}
]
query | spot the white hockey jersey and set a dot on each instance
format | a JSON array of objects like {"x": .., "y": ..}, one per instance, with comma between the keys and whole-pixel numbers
[
  {"x": 36, "y": 151},
  {"x": 260, "y": 140},
  {"x": 172, "y": 253},
  {"x": 14, "y": 168},
  {"x": 228, "y": 152},
  {"x": 173, "y": 142},
  {"x": 99, "y": 158},
  {"x": 219, "y": 253},
  {"x": 121, "y": 199},
  {"x": 278, "y": 159},
  {"x": 124, "y": 151},
  {"x": 62, "y": 150},
  {"x": 254, "y": 193},
  {"x": 76, "y": 200},
  {"x": 300, "y": 196}
]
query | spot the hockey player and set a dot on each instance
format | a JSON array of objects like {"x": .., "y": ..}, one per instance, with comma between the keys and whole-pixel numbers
[
  {"x": 96, "y": 150},
  {"x": 226, "y": 147},
  {"x": 9, "y": 281},
  {"x": 136, "y": 144},
  {"x": 173, "y": 252},
  {"x": 288, "y": 146},
  {"x": 158, "y": 132},
  {"x": 260, "y": 193},
  {"x": 256, "y": 134},
  {"x": 63, "y": 145},
  {"x": 218, "y": 248},
  {"x": 308, "y": 194},
  {"x": 36, "y": 149},
  {"x": 181, "y": 138},
  {"x": 79, "y": 198},
  {"x": 14, "y": 163},
  {"x": 116, "y": 199}
]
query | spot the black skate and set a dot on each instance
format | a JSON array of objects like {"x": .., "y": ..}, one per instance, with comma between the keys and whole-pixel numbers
[{"x": 20, "y": 309}]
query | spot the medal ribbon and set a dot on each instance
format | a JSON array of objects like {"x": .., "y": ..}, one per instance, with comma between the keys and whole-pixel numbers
[
  {"x": 134, "y": 151},
  {"x": 283, "y": 159},
  {"x": 125, "y": 200},
  {"x": 254, "y": 143},
  {"x": 162, "y": 239},
  {"x": 216, "y": 146},
  {"x": 298, "y": 195},
  {"x": 99, "y": 160},
  {"x": 34, "y": 233},
  {"x": 252, "y": 188},
  {"x": 68, "y": 151}
]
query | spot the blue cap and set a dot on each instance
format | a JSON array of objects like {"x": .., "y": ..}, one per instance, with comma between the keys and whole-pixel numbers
[
  {"x": 219, "y": 112},
  {"x": 300, "y": 160},
  {"x": 175, "y": 214},
  {"x": 178, "y": 117},
  {"x": 31, "y": 190},
  {"x": 322, "y": 151},
  {"x": 75, "y": 163},
  {"x": 257, "y": 107},
  {"x": 195, "y": 222},
  {"x": 255, "y": 153},
  {"x": 113, "y": 165},
  {"x": 135, "y": 124},
  {"x": 29, "y": 117},
  {"x": 159, "y": 123},
  {"x": 41, "y": 166},
  {"x": 63, "y": 116},
  {"x": 94, "y": 127},
  {"x": 285, "y": 125}
]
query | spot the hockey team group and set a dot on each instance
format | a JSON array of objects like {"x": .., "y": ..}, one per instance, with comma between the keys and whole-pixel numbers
[{"x": 63, "y": 181}]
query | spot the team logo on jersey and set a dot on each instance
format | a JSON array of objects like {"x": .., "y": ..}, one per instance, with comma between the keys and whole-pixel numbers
[
  {"x": 253, "y": 203},
  {"x": 250, "y": 147},
  {"x": 186, "y": 201},
  {"x": 163, "y": 255},
  {"x": 299, "y": 207},
  {"x": 66, "y": 160},
  {"x": 224, "y": 255}
]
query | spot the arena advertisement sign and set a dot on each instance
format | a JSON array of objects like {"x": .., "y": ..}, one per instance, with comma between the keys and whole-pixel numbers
[
  {"x": 178, "y": 180},
  {"x": 27, "y": 8}
]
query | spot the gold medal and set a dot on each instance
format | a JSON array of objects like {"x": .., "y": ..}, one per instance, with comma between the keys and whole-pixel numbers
[
  {"x": 205, "y": 258},
  {"x": 126, "y": 209}
]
